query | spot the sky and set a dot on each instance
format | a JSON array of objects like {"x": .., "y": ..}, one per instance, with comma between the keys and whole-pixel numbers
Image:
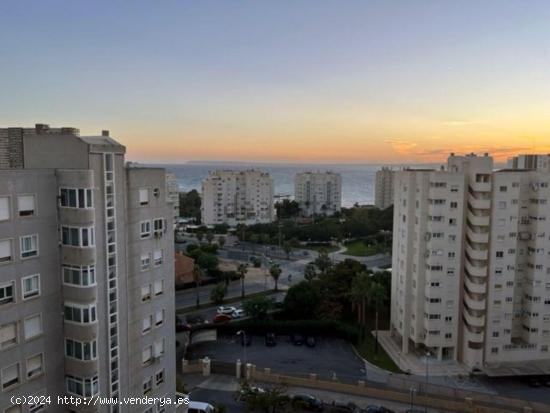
[{"x": 283, "y": 81}]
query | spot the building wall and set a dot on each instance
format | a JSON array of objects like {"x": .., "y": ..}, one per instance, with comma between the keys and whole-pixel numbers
[
  {"x": 318, "y": 193},
  {"x": 384, "y": 188}
]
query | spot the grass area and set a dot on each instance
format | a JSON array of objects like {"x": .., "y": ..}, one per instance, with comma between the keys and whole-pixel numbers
[
  {"x": 329, "y": 248},
  {"x": 381, "y": 359},
  {"x": 231, "y": 300},
  {"x": 360, "y": 249}
]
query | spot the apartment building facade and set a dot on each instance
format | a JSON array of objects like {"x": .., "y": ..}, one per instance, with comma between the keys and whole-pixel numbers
[
  {"x": 237, "y": 197},
  {"x": 471, "y": 266},
  {"x": 173, "y": 194},
  {"x": 86, "y": 272},
  {"x": 318, "y": 193},
  {"x": 383, "y": 188}
]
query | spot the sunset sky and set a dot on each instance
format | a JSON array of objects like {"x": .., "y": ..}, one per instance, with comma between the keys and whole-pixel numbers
[{"x": 289, "y": 81}]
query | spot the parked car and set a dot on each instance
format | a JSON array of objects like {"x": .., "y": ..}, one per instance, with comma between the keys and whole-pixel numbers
[
  {"x": 307, "y": 402},
  {"x": 534, "y": 382},
  {"x": 378, "y": 409},
  {"x": 310, "y": 341},
  {"x": 226, "y": 310},
  {"x": 546, "y": 381},
  {"x": 246, "y": 340},
  {"x": 297, "y": 339},
  {"x": 270, "y": 340},
  {"x": 199, "y": 407},
  {"x": 342, "y": 407},
  {"x": 238, "y": 313},
  {"x": 221, "y": 318},
  {"x": 243, "y": 394}
]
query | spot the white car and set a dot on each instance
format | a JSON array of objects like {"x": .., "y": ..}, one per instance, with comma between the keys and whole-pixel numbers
[
  {"x": 199, "y": 407},
  {"x": 226, "y": 310},
  {"x": 238, "y": 313}
]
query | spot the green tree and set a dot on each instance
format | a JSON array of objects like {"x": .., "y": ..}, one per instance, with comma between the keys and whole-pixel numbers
[
  {"x": 197, "y": 275},
  {"x": 271, "y": 400},
  {"x": 218, "y": 293},
  {"x": 310, "y": 272},
  {"x": 190, "y": 205},
  {"x": 302, "y": 300},
  {"x": 360, "y": 290},
  {"x": 287, "y": 248},
  {"x": 287, "y": 209},
  {"x": 208, "y": 262},
  {"x": 200, "y": 236},
  {"x": 242, "y": 269},
  {"x": 275, "y": 272},
  {"x": 323, "y": 261},
  {"x": 209, "y": 237},
  {"x": 221, "y": 242},
  {"x": 258, "y": 307},
  {"x": 255, "y": 238},
  {"x": 377, "y": 296}
]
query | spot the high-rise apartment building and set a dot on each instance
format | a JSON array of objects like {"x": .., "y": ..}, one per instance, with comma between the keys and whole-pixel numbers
[
  {"x": 86, "y": 272},
  {"x": 383, "y": 188},
  {"x": 237, "y": 197},
  {"x": 471, "y": 264},
  {"x": 173, "y": 194},
  {"x": 318, "y": 193}
]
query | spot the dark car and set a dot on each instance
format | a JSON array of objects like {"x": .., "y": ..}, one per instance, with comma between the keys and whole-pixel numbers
[
  {"x": 270, "y": 340},
  {"x": 246, "y": 340},
  {"x": 307, "y": 402},
  {"x": 534, "y": 382},
  {"x": 546, "y": 381},
  {"x": 310, "y": 341},
  {"x": 378, "y": 409},
  {"x": 341, "y": 407},
  {"x": 297, "y": 339}
]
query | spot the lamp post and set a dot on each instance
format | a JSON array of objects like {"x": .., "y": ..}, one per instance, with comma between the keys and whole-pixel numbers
[
  {"x": 428, "y": 354},
  {"x": 413, "y": 390},
  {"x": 243, "y": 342}
]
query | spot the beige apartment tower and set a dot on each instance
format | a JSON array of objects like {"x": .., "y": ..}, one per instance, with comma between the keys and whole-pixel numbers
[
  {"x": 471, "y": 265},
  {"x": 86, "y": 272},
  {"x": 318, "y": 193},
  {"x": 383, "y": 188}
]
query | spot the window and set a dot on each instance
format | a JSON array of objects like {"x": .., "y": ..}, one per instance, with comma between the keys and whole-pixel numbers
[
  {"x": 25, "y": 205},
  {"x": 84, "y": 387},
  {"x": 143, "y": 196},
  {"x": 35, "y": 366},
  {"x": 5, "y": 250},
  {"x": 499, "y": 254},
  {"x": 81, "y": 350},
  {"x": 159, "y": 348},
  {"x": 148, "y": 386},
  {"x": 145, "y": 229},
  {"x": 7, "y": 293},
  {"x": 32, "y": 326},
  {"x": 145, "y": 261},
  {"x": 159, "y": 377},
  {"x": 159, "y": 227},
  {"x": 29, "y": 246},
  {"x": 30, "y": 286},
  {"x": 159, "y": 317},
  {"x": 4, "y": 208},
  {"x": 80, "y": 313},
  {"x": 76, "y": 198},
  {"x": 157, "y": 257},
  {"x": 82, "y": 276},
  {"x": 10, "y": 376},
  {"x": 146, "y": 355},
  {"x": 8, "y": 335},
  {"x": 158, "y": 287},
  {"x": 78, "y": 237},
  {"x": 146, "y": 324},
  {"x": 146, "y": 292}
]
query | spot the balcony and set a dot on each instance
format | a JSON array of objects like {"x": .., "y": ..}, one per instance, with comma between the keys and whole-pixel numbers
[
  {"x": 479, "y": 237},
  {"x": 476, "y": 254},
  {"x": 479, "y": 220},
  {"x": 473, "y": 303},
  {"x": 474, "y": 337},
  {"x": 479, "y": 203},
  {"x": 480, "y": 186},
  {"x": 478, "y": 271},
  {"x": 474, "y": 287},
  {"x": 473, "y": 321}
]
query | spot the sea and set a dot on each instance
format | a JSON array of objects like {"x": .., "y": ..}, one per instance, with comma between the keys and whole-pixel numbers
[{"x": 357, "y": 180}]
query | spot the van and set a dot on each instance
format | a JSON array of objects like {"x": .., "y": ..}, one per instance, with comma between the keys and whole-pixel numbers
[{"x": 199, "y": 407}]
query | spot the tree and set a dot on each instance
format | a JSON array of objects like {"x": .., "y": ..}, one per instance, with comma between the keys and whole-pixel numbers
[
  {"x": 190, "y": 204},
  {"x": 209, "y": 237},
  {"x": 197, "y": 273},
  {"x": 275, "y": 272},
  {"x": 360, "y": 289},
  {"x": 302, "y": 300},
  {"x": 310, "y": 272},
  {"x": 287, "y": 248},
  {"x": 377, "y": 296},
  {"x": 258, "y": 307},
  {"x": 323, "y": 262},
  {"x": 207, "y": 262},
  {"x": 287, "y": 209},
  {"x": 271, "y": 400},
  {"x": 221, "y": 242},
  {"x": 218, "y": 293},
  {"x": 242, "y": 269},
  {"x": 255, "y": 238},
  {"x": 200, "y": 236}
]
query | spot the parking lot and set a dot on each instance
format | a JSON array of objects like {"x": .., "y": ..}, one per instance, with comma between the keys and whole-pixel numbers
[{"x": 329, "y": 357}]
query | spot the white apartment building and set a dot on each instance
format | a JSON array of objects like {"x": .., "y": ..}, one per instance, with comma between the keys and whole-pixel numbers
[
  {"x": 86, "y": 272},
  {"x": 383, "y": 189},
  {"x": 173, "y": 194},
  {"x": 471, "y": 265},
  {"x": 237, "y": 197},
  {"x": 318, "y": 193}
]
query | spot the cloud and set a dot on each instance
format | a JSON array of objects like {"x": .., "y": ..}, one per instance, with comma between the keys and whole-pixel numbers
[{"x": 402, "y": 146}]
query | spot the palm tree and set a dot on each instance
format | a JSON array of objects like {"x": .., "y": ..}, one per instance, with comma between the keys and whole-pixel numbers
[
  {"x": 209, "y": 237},
  {"x": 275, "y": 272},
  {"x": 200, "y": 236},
  {"x": 287, "y": 248},
  {"x": 310, "y": 272},
  {"x": 360, "y": 289},
  {"x": 377, "y": 296},
  {"x": 221, "y": 242},
  {"x": 197, "y": 272},
  {"x": 242, "y": 269}
]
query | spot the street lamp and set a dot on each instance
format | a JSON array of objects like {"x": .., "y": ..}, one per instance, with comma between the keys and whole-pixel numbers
[
  {"x": 413, "y": 390},
  {"x": 243, "y": 342},
  {"x": 428, "y": 354}
]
